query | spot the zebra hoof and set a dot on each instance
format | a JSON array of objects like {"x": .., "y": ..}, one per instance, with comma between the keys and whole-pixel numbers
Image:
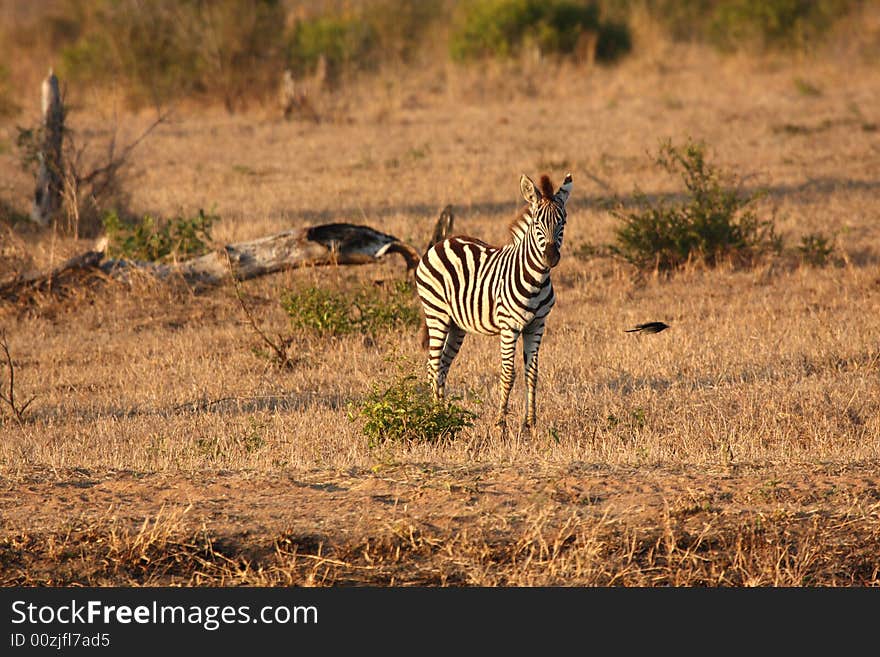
[
  {"x": 525, "y": 429},
  {"x": 501, "y": 427}
]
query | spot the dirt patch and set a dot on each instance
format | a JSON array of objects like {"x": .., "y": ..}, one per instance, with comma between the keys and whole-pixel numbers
[{"x": 576, "y": 524}]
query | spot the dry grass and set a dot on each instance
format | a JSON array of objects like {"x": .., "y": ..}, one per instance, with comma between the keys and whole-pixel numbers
[
  {"x": 468, "y": 526},
  {"x": 774, "y": 367}
]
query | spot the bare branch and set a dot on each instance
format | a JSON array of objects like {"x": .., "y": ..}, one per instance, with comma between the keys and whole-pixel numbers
[
  {"x": 9, "y": 397},
  {"x": 116, "y": 163},
  {"x": 280, "y": 348}
]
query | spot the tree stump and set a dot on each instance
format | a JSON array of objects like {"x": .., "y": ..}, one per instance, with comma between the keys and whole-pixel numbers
[{"x": 50, "y": 176}]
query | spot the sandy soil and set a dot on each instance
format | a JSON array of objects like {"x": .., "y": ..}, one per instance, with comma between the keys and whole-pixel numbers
[{"x": 327, "y": 522}]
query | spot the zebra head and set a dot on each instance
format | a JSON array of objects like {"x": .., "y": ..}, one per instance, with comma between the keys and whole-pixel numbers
[{"x": 548, "y": 215}]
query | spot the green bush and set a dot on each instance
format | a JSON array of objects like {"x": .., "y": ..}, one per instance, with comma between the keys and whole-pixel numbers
[
  {"x": 815, "y": 249},
  {"x": 749, "y": 24},
  {"x": 712, "y": 224},
  {"x": 140, "y": 45},
  {"x": 345, "y": 43},
  {"x": 402, "y": 27},
  {"x": 158, "y": 241},
  {"x": 783, "y": 24},
  {"x": 367, "y": 310},
  {"x": 615, "y": 41},
  {"x": 351, "y": 41},
  {"x": 406, "y": 411},
  {"x": 163, "y": 49},
  {"x": 502, "y": 28}
]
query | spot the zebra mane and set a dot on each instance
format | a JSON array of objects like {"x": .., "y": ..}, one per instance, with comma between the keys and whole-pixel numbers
[{"x": 546, "y": 187}]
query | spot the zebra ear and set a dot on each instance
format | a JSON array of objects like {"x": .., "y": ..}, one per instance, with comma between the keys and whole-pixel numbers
[
  {"x": 565, "y": 190},
  {"x": 529, "y": 191}
]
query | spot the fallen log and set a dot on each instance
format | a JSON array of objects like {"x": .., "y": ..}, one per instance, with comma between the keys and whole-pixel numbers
[{"x": 314, "y": 246}]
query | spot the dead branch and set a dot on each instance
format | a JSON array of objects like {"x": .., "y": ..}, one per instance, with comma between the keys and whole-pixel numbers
[
  {"x": 115, "y": 162},
  {"x": 76, "y": 272},
  {"x": 102, "y": 181},
  {"x": 9, "y": 397},
  {"x": 279, "y": 348}
]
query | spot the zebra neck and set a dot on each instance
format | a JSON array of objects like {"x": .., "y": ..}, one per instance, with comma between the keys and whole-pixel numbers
[
  {"x": 531, "y": 260},
  {"x": 519, "y": 228}
]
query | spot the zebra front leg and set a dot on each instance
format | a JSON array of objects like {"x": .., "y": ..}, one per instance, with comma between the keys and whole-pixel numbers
[
  {"x": 531, "y": 344},
  {"x": 508, "y": 351}
]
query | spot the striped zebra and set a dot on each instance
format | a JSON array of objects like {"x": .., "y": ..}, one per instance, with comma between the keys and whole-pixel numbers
[{"x": 468, "y": 286}]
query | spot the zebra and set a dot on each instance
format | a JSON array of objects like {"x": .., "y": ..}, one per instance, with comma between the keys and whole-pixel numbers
[{"x": 468, "y": 286}]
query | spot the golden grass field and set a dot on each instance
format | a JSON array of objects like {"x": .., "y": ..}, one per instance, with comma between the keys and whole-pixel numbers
[{"x": 739, "y": 447}]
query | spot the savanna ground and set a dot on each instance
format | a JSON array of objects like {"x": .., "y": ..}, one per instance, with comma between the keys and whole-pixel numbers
[{"x": 739, "y": 447}]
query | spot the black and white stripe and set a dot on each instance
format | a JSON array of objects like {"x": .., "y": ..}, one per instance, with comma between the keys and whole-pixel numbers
[{"x": 468, "y": 286}]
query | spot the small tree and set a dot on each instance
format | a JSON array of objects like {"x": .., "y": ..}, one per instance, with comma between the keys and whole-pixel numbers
[{"x": 74, "y": 187}]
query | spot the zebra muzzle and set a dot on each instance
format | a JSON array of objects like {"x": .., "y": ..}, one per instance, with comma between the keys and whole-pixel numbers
[{"x": 551, "y": 255}]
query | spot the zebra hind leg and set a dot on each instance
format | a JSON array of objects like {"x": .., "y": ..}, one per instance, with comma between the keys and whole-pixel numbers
[
  {"x": 454, "y": 338},
  {"x": 438, "y": 330}
]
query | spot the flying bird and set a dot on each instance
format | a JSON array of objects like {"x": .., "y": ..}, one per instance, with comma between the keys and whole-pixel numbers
[{"x": 649, "y": 327}]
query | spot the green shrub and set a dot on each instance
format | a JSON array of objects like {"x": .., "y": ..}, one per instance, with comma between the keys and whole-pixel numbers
[
  {"x": 405, "y": 410},
  {"x": 367, "y": 310},
  {"x": 751, "y": 24},
  {"x": 501, "y": 28},
  {"x": 163, "y": 49},
  {"x": 685, "y": 20},
  {"x": 346, "y": 42},
  {"x": 815, "y": 249},
  {"x": 712, "y": 224},
  {"x": 158, "y": 241},
  {"x": 351, "y": 41},
  {"x": 807, "y": 88},
  {"x": 774, "y": 23},
  {"x": 140, "y": 45},
  {"x": 615, "y": 41},
  {"x": 401, "y": 27}
]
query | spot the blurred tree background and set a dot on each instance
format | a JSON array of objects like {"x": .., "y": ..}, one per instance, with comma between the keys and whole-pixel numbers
[{"x": 235, "y": 53}]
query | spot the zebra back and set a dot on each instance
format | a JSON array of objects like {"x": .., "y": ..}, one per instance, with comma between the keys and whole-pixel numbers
[{"x": 484, "y": 289}]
